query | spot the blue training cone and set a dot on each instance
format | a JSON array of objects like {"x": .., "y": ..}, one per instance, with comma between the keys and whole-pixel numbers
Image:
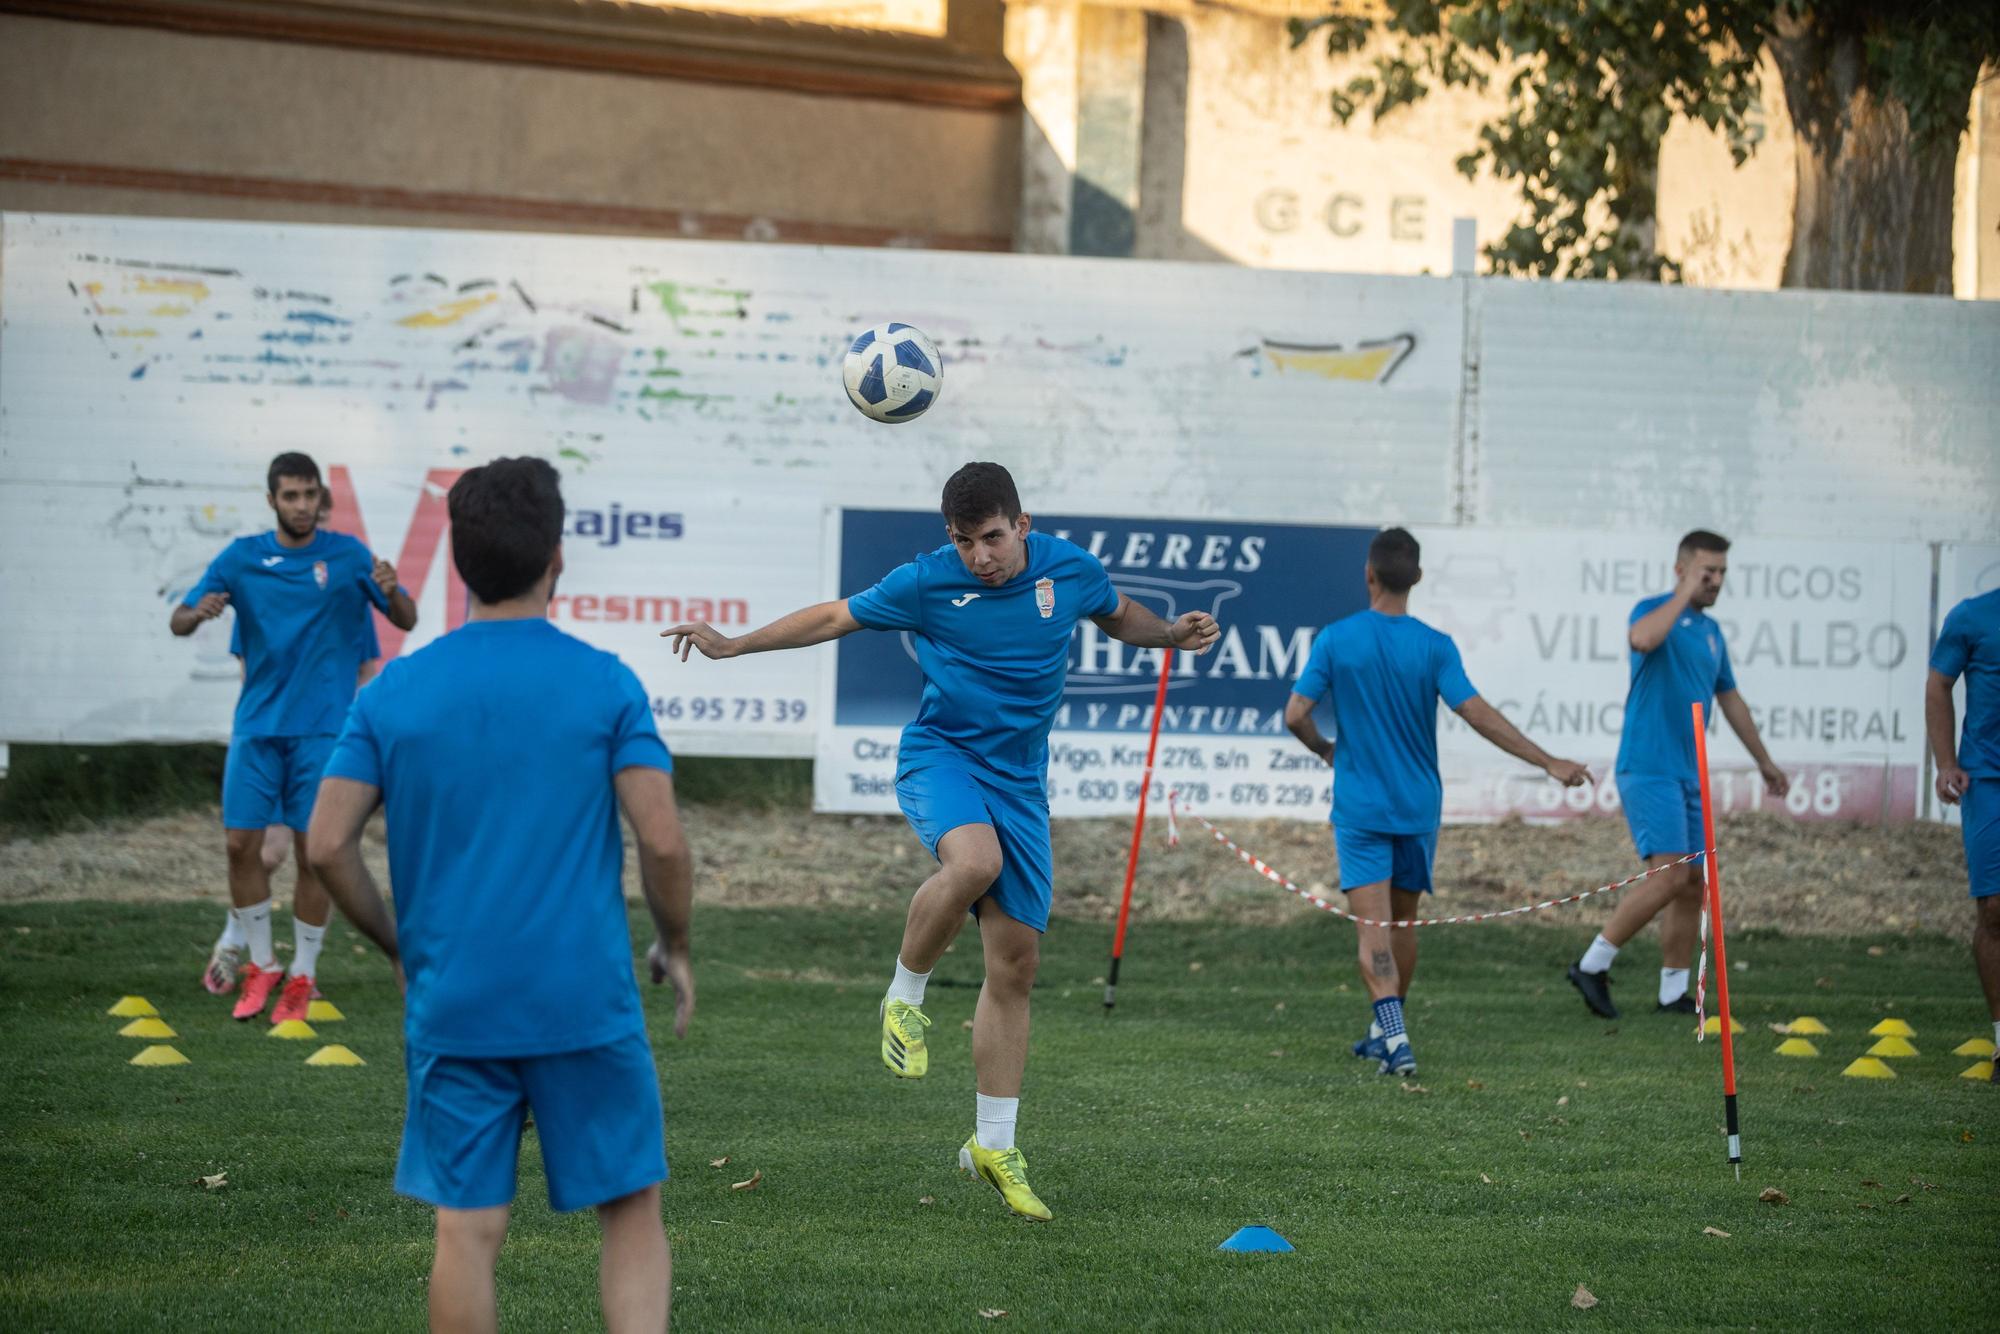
[{"x": 1254, "y": 1238}]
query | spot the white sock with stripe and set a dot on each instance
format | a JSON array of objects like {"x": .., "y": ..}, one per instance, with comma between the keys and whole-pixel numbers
[
  {"x": 256, "y": 923},
  {"x": 306, "y": 940}
]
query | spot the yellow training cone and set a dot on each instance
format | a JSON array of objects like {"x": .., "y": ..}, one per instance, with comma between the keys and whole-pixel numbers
[
  {"x": 147, "y": 1028},
  {"x": 324, "y": 1012},
  {"x": 132, "y": 1007},
  {"x": 161, "y": 1055},
  {"x": 1714, "y": 1026},
  {"x": 334, "y": 1055},
  {"x": 1868, "y": 1067},
  {"x": 1892, "y": 1047},
  {"x": 295, "y": 1029},
  {"x": 1797, "y": 1047},
  {"x": 1805, "y": 1023},
  {"x": 1892, "y": 1028},
  {"x": 1974, "y": 1047},
  {"x": 1982, "y": 1071}
]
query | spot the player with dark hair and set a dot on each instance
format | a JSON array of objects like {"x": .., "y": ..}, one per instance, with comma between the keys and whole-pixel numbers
[
  {"x": 1386, "y": 671},
  {"x": 1678, "y": 658},
  {"x": 302, "y": 597},
  {"x": 992, "y": 613},
  {"x": 502, "y": 754},
  {"x": 1968, "y": 769},
  {"x": 226, "y": 957}
]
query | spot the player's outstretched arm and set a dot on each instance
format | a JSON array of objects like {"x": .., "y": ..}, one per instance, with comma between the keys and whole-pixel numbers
[
  {"x": 333, "y": 846},
  {"x": 1133, "y": 623},
  {"x": 1941, "y": 723},
  {"x": 666, "y": 875},
  {"x": 1740, "y": 722},
  {"x": 809, "y": 625},
  {"x": 1492, "y": 724},
  {"x": 185, "y": 618}
]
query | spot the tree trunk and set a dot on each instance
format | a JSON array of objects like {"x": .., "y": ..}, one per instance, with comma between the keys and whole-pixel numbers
[{"x": 1874, "y": 206}]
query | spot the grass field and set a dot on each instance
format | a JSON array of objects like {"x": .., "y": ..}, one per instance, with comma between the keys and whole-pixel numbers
[{"x": 1215, "y": 1096}]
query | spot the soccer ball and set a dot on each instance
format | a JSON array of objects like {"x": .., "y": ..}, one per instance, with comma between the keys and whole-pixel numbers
[{"x": 893, "y": 372}]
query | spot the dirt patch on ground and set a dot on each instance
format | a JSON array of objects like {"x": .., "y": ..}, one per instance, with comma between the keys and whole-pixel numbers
[{"x": 1820, "y": 879}]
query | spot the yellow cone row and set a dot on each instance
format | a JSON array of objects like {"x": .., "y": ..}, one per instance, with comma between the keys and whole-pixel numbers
[{"x": 146, "y": 1023}]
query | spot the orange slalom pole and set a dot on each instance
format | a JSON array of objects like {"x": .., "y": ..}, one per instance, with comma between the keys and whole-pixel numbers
[
  {"x": 1138, "y": 831},
  {"x": 1712, "y": 874}
]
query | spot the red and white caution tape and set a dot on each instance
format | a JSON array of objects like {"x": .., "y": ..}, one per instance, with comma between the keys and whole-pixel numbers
[{"x": 1276, "y": 877}]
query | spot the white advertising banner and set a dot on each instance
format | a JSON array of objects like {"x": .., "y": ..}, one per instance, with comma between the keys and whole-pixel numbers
[
  {"x": 1827, "y": 641},
  {"x": 688, "y": 391}
]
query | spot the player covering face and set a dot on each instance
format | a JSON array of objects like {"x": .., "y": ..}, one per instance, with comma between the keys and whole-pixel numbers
[
  {"x": 1679, "y": 657},
  {"x": 992, "y": 613}
]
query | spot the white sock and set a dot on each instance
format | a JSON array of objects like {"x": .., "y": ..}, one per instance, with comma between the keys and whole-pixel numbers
[
  {"x": 996, "y": 1122},
  {"x": 256, "y": 923},
  {"x": 1996, "y": 1032},
  {"x": 232, "y": 937},
  {"x": 1673, "y": 984},
  {"x": 1597, "y": 959},
  {"x": 908, "y": 986},
  {"x": 306, "y": 940}
]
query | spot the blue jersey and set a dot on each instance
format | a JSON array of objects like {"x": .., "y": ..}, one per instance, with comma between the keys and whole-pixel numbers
[
  {"x": 1386, "y": 675},
  {"x": 1969, "y": 645},
  {"x": 1691, "y": 664},
  {"x": 495, "y": 747},
  {"x": 301, "y": 618},
  {"x": 369, "y": 646},
  {"x": 994, "y": 659}
]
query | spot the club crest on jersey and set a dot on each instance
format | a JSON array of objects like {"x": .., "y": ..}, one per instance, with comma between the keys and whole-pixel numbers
[
  {"x": 1045, "y": 597},
  {"x": 319, "y": 573}
]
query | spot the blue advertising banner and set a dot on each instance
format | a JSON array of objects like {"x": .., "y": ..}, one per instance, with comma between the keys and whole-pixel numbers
[{"x": 1270, "y": 586}]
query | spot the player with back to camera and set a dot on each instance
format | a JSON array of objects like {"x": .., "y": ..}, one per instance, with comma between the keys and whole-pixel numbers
[
  {"x": 1386, "y": 671},
  {"x": 993, "y": 613},
  {"x": 1968, "y": 768},
  {"x": 302, "y": 597},
  {"x": 225, "y": 959},
  {"x": 501, "y": 754},
  {"x": 1679, "y": 657}
]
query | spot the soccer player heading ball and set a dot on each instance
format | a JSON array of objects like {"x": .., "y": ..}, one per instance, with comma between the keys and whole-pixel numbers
[
  {"x": 301, "y": 596},
  {"x": 993, "y": 612},
  {"x": 1678, "y": 657},
  {"x": 1386, "y": 671}
]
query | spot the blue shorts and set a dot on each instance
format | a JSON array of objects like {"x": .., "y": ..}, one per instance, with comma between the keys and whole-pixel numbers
[
  {"x": 272, "y": 780},
  {"x": 597, "y": 1115},
  {"x": 940, "y": 798},
  {"x": 1664, "y": 814},
  {"x": 1368, "y": 858},
  {"x": 1980, "y": 808}
]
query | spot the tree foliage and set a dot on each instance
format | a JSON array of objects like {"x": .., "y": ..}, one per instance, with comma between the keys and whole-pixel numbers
[{"x": 1590, "y": 87}]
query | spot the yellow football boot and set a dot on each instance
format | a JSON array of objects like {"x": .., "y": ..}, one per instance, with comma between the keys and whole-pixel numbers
[
  {"x": 903, "y": 1049},
  {"x": 1007, "y": 1172}
]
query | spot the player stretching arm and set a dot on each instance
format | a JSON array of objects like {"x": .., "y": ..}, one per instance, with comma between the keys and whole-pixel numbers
[
  {"x": 1968, "y": 769},
  {"x": 992, "y": 612}
]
